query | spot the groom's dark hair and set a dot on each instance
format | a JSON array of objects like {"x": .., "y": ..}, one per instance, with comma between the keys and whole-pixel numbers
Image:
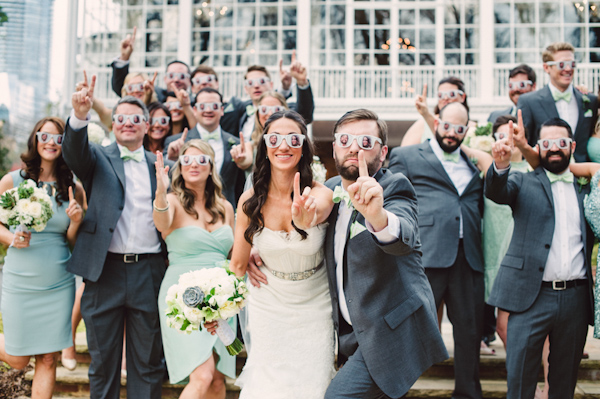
[
  {"x": 558, "y": 123},
  {"x": 363, "y": 114}
]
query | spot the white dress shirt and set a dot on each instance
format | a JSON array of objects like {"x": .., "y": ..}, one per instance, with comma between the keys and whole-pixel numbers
[
  {"x": 568, "y": 111},
  {"x": 135, "y": 232},
  {"x": 385, "y": 236},
  {"x": 217, "y": 145},
  {"x": 459, "y": 172},
  {"x": 248, "y": 128}
]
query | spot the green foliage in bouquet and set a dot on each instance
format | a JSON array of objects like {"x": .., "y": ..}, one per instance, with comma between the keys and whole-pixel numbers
[{"x": 484, "y": 130}]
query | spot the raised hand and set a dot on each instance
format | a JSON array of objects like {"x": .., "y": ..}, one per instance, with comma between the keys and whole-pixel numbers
[
  {"x": 421, "y": 102},
  {"x": 74, "y": 210},
  {"x": 502, "y": 149},
  {"x": 298, "y": 71},
  {"x": 304, "y": 206},
  {"x": 182, "y": 95},
  {"x": 127, "y": 45},
  {"x": 519, "y": 139},
  {"x": 366, "y": 195},
  {"x": 162, "y": 175},
  {"x": 149, "y": 88},
  {"x": 285, "y": 76},
  {"x": 175, "y": 146},
  {"x": 242, "y": 154},
  {"x": 83, "y": 99}
]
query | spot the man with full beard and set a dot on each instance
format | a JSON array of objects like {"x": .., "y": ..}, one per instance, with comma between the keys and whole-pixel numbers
[
  {"x": 450, "y": 194},
  {"x": 545, "y": 279}
]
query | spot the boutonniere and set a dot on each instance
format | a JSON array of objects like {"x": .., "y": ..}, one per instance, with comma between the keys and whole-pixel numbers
[
  {"x": 231, "y": 142},
  {"x": 585, "y": 99},
  {"x": 586, "y": 106},
  {"x": 355, "y": 229},
  {"x": 582, "y": 181}
]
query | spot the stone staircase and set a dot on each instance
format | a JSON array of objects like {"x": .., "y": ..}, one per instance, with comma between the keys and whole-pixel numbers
[{"x": 437, "y": 382}]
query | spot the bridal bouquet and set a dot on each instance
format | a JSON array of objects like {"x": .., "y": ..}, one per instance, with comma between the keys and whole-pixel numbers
[
  {"x": 207, "y": 295},
  {"x": 26, "y": 207}
]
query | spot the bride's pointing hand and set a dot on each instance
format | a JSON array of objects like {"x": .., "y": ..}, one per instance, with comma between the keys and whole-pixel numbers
[{"x": 304, "y": 206}]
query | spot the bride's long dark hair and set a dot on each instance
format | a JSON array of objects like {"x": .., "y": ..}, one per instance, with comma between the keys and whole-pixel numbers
[{"x": 262, "y": 175}]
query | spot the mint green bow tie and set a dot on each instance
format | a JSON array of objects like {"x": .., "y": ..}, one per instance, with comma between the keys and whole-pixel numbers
[
  {"x": 566, "y": 177},
  {"x": 339, "y": 194},
  {"x": 566, "y": 95},
  {"x": 211, "y": 136},
  {"x": 451, "y": 157},
  {"x": 250, "y": 109},
  {"x": 127, "y": 155}
]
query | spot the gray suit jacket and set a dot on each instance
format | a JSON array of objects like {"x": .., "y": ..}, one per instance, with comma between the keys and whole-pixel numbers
[
  {"x": 388, "y": 295},
  {"x": 496, "y": 114},
  {"x": 232, "y": 177},
  {"x": 101, "y": 171},
  {"x": 538, "y": 106},
  {"x": 440, "y": 206},
  {"x": 519, "y": 279}
]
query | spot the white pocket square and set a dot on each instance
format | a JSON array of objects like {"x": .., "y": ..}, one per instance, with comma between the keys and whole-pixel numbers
[
  {"x": 355, "y": 229},
  {"x": 588, "y": 113}
]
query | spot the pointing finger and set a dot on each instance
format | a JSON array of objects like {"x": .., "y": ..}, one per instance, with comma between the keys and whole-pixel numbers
[
  {"x": 511, "y": 132},
  {"x": 520, "y": 121},
  {"x": 363, "y": 170},
  {"x": 242, "y": 144},
  {"x": 154, "y": 78},
  {"x": 425, "y": 91},
  {"x": 184, "y": 135},
  {"x": 133, "y": 34},
  {"x": 293, "y": 56},
  {"x": 85, "y": 81},
  {"x": 71, "y": 198},
  {"x": 92, "y": 85},
  {"x": 296, "y": 185},
  {"x": 281, "y": 65}
]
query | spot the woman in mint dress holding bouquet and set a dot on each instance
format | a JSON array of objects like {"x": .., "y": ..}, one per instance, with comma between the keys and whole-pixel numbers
[
  {"x": 37, "y": 290},
  {"x": 197, "y": 224}
]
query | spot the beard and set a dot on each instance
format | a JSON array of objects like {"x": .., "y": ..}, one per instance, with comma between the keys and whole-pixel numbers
[
  {"x": 350, "y": 173},
  {"x": 555, "y": 167},
  {"x": 449, "y": 148}
]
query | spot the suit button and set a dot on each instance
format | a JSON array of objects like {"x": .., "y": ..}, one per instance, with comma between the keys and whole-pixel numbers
[
  {"x": 121, "y": 208},
  {"x": 541, "y": 269},
  {"x": 547, "y": 246},
  {"x": 349, "y": 300},
  {"x": 457, "y": 218},
  {"x": 111, "y": 229}
]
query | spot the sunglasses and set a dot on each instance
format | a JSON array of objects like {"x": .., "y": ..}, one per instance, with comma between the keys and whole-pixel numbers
[
  {"x": 365, "y": 142},
  {"x": 177, "y": 76},
  {"x": 208, "y": 106},
  {"x": 274, "y": 140},
  {"x": 458, "y": 129},
  {"x": 562, "y": 65},
  {"x": 201, "y": 159},
  {"x": 520, "y": 85},
  {"x": 44, "y": 137},
  {"x": 256, "y": 82},
  {"x": 135, "y": 119},
  {"x": 161, "y": 120},
  {"x": 133, "y": 87},
  {"x": 202, "y": 80},
  {"x": 171, "y": 105},
  {"x": 450, "y": 94},
  {"x": 562, "y": 143},
  {"x": 270, "y": 109}
]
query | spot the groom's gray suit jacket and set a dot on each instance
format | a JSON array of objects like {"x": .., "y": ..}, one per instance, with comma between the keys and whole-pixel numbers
[
  {"x": 102, "y": 173},
  {"x": 389, "y": 298},
  {"x": 519, "y": 279}
]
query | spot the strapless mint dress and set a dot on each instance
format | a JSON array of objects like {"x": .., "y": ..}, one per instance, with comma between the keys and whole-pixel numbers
[
  {"x": 193, "y": 248},
  {"x": 37, "y": 290}
]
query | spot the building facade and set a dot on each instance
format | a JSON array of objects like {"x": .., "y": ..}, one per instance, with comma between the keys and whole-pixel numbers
[
  {"x": 25, "y": 62},
  {"x": 375, "y": 53}
]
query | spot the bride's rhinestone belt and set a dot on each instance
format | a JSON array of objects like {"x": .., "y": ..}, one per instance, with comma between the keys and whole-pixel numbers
[{"x": 296, "y": 276}]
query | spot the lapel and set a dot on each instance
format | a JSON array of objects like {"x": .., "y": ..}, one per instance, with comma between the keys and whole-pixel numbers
[
  {"x": 540, "y": 173},
  {"x": 193, "y": 134},
  {"x": 475, "y": 171},
  {"x": 427, "y": 153},
  {"x": 547, "y": 104},
  {"x": 114, "y": 156},
  {"x": 580, "y": 107},
  {"x": 152, "y": 171},
  {"x": 330, "y": 260},
  {"x": 226, "y": 154},
  {"x": 581, "y": 193}
]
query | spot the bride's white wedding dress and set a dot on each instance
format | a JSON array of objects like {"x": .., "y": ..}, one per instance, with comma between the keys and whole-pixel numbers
[{"x": 289, "y": 319}]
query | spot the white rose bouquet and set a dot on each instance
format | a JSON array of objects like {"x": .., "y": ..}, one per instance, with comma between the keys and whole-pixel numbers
[
  {"x": 318, "y": 169},
  {"x": 212, "y": 294},
  {"x": 26, "y": 207}
]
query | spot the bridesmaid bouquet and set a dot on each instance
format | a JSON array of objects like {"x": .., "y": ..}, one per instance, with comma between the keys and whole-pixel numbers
[
  {"x": 26, "y": 207},
  {"x": 207, "y": 295}
]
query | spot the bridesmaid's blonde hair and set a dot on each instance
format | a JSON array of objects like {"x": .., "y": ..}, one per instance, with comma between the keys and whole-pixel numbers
[{"x": 213, "y": 190}]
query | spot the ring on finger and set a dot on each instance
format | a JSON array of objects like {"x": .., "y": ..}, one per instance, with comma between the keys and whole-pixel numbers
[{"x": 21, "y": 238}]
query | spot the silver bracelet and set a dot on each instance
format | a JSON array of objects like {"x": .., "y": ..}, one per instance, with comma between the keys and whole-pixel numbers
[{"x": 166, "y": 208}]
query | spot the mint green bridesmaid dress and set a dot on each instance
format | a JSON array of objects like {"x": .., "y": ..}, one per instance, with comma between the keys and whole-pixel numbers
[
  {"x": 193, "y": 248},
  {"x": 37, "y": 291}
]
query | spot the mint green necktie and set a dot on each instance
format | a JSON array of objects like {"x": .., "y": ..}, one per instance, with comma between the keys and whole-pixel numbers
[
  {"x": 566, "y": 177},
  {"x": 451, "y": 157},
  {"x": 127, "y": 155},
  {"x": 339, "y": 194},
  {"x": 250, "y": 109},
  {"x": 566, "y": 95},
  {"x": 211, "y": 136}
]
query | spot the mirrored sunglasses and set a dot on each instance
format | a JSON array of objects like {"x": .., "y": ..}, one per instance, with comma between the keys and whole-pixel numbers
[
  {"x": 208, "y": 106},
  {"x": 201, "y": 159},
  {"x": 562, "y": 143},
  {"x": 274, "y": 140},
  {"x": 450, "y": 94},
  {"x": 202, "y": 80},
  {"x": 177, "y": 76},
  {"x": 121, "y": 119},
  {"x": 458, "y": 129},
  {"x": 161, "y": 120},
  {"x": 134, "y": 87},
  {"x": 257, "y": 81},
  {"x": 520, "y": 85},
  {"x": 365, "y": 142},
  {"x": 500, "y": 136},
  {"x": 171, "y": 105},
  {"x": 562, "y": 65},
  {"x": 45, "y": 137},
  {"x": 270, "y": 109}
]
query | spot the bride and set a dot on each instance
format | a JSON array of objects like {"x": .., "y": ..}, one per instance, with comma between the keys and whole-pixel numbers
[{"x": 289, "y": 319}]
